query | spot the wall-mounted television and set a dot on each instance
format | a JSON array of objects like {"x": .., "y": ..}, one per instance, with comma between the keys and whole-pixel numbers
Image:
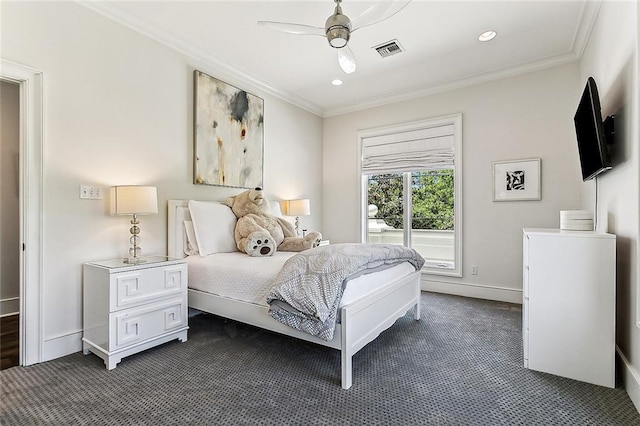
[{"x": 592, "y": 133}]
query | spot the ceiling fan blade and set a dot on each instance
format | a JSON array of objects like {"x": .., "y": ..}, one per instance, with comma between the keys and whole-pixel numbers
[
  {"x": 293, "y": 28},
  {"x": 378, "y": 13},
  {"x": 346, "y": 60}
]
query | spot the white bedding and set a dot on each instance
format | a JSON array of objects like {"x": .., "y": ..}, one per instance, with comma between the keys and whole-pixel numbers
[
  {"x": 236, "y": 275},
  {"x": 246, "y": 278}
]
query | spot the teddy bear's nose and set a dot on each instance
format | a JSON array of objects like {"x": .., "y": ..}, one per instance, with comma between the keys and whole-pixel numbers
[{"x": 258, "y": 188}]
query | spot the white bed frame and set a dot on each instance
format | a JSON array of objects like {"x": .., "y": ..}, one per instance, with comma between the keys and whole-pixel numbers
[{"x": 361, "y": 321}]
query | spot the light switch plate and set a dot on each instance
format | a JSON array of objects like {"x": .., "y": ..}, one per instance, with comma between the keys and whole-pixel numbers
[{"x": 88, "y": 192}]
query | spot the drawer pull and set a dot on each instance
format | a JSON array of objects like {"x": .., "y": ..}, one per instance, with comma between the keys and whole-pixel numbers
[
  {"x": 172, "y": 317},
  {"x": 173, "y": 279},
  {"x": 131, "y": 285},
  {"x": 130, "y": 330}
]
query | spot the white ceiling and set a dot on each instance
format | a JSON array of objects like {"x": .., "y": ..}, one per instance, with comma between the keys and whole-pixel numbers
[{"x": 439, "y": 37}]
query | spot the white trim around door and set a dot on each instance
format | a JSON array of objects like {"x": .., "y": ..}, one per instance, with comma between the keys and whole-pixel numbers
[{"x": 31, "y": 207}]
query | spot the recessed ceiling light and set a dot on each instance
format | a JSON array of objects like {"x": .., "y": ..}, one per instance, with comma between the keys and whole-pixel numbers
[
  {"x": 487, "y": 35},
  {"x": 336, "y": 82}
]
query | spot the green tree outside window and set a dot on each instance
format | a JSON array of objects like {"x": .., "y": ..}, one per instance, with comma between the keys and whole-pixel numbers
[{"x": 432, "y": 199}]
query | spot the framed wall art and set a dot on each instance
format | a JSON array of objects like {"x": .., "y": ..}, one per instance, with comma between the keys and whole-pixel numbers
[
  {"x": 516, "y": 180},
  {"x": 228, "y": 134}
]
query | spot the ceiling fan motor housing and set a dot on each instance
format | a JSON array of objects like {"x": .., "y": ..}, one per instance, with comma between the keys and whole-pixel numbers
[{"x": 338, "y": 29}]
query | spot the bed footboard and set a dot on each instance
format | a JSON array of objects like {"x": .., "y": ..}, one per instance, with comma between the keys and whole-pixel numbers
[
  {"x": 361, "y": 321},
  {"x": 364, "y": 320}
]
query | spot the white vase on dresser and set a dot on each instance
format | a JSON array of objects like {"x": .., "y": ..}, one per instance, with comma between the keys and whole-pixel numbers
[{"x": 569, "y": 304}]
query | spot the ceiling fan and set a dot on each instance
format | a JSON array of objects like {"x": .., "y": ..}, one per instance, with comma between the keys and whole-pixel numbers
[{"x": 338, "y": 28}]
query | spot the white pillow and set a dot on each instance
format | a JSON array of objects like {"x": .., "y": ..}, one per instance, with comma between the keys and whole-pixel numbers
[
  {"x": 274, "y": 207},
  {"x": 213, "y": 225},
  {"x": 189, "y": 242}
]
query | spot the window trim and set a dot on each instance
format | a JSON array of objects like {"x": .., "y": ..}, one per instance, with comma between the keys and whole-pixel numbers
[{"x": 456, "y": 121}]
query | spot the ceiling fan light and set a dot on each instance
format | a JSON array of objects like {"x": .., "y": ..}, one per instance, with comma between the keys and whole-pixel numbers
[
  {"x": 338, "y": 36},
  {"x": 338, "y": 28}
]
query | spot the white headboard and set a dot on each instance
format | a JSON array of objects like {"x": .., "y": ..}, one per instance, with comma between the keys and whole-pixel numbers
[{"x": 177, "y": 214}]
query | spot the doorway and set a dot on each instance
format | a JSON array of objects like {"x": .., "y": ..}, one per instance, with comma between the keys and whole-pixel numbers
[
  {"x": 9, "y": 224},
  {"x": 27, "y": 162}
]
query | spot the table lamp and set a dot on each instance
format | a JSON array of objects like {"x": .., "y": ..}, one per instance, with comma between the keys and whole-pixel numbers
[
  {"x": 134, "y": 200},
  {"x": 297, "y": 208}
]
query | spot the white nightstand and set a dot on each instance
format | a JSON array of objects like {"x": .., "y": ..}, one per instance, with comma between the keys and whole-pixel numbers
[{"x": 129, "y": 308}]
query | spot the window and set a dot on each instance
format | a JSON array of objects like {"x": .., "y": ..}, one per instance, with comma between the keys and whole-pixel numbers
[{"x": 411, "y": 190}]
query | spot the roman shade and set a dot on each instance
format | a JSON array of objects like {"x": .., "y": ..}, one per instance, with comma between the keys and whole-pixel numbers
[{"x": 429, "y": 148}]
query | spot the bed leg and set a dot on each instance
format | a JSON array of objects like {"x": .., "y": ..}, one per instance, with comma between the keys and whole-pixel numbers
[
  {"x": 346, "y": 369},
  {"x": 345, "y": 352}
]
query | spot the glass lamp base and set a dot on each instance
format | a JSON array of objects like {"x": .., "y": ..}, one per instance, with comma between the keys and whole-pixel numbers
[{"x": 134, "y": 251}]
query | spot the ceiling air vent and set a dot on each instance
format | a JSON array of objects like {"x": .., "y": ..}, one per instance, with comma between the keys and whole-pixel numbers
[{"x": 389, "y": 48}]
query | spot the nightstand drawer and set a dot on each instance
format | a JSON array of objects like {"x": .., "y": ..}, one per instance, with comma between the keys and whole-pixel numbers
[
  {"x": 145, "y": 285},
  {"x": 146, "y": 322},
  {"x": 128, "y": 308}
]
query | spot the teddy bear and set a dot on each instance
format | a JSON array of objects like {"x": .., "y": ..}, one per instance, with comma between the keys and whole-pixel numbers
[{"x": 260, "y": 233}]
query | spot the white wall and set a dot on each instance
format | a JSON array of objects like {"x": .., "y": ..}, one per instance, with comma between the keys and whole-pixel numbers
[
  {"x": 521, "y": 117},
  {"x": 611, "y": 57},
  {"x": 118, "y": 110},
  {"x": 9, "y": 213}
]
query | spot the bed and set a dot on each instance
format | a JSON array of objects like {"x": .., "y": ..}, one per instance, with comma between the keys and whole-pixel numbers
[{"x": 362, "y": 316}]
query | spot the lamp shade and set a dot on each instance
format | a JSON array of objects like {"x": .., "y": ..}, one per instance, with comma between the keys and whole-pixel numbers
[
  {"x": 133, "y": 199},
  {"x": 298, "y": 208}
]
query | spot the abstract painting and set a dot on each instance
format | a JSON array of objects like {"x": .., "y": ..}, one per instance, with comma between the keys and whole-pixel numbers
[
  {"x": 516, "y": 180},
  {"x": 228, "y": 134}
]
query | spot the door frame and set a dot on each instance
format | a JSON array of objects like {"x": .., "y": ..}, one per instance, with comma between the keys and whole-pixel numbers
[{"x": 31, "y": 207}]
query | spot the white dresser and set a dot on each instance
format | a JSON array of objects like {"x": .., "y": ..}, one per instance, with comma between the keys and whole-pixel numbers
[
  {"x": 568, "y": 314},
  {"x": 129, "y": 308}
]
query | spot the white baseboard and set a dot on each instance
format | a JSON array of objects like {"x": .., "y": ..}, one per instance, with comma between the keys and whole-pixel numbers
[
  {"x": 66, "y": 344},
  {"x": 477, "y": 291},
  {"x": 9, "y": 306},
  {"x": 630, "y": 379}
]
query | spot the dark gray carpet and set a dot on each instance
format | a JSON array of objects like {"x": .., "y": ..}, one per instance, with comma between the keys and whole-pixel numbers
[{"x": 460, "y": 365}]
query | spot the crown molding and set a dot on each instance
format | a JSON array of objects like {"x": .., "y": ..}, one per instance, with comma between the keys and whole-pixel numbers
[
  {"x": 583, "y": 31},
  {"x": 239, "y": 77},
  {"x": 458, "y": 83},
  {"x": 581, "y": 37},
  {"x": 224, "y": 70}
]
